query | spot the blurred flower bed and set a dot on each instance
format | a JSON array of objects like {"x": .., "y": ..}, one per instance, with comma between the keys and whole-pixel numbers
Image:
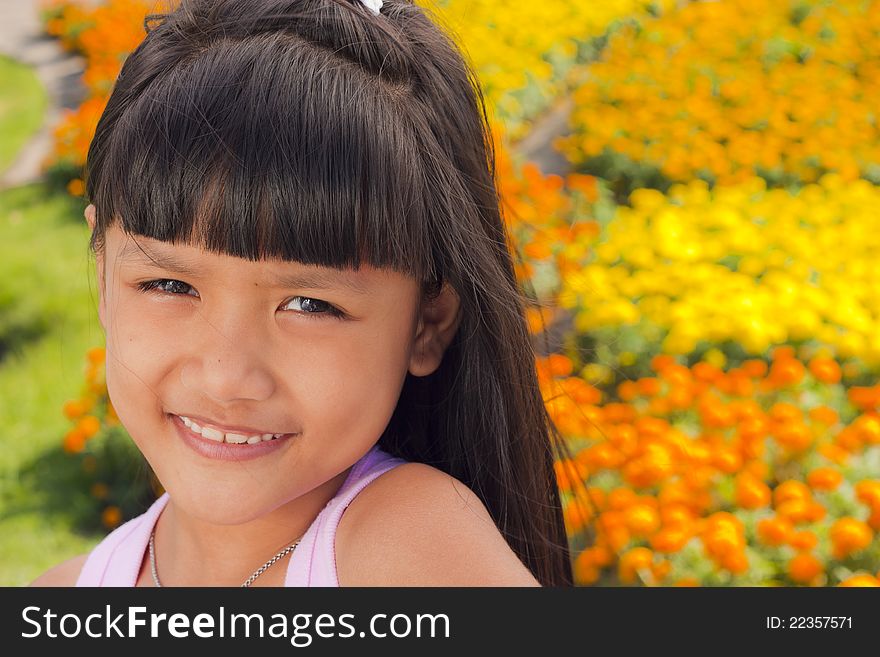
[
  {"x": 754, "y": 475},
  {"x": 739, "y": 266},
  {"x": 524, "y": 54},
  {"x": 727, "y": 90},
  {"x": 709, "y": 260}
]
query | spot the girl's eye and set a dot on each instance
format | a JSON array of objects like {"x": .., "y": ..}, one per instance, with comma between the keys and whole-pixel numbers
[
  {"x": 308, "y": 304},
  {"x": 159, "y": 284}
]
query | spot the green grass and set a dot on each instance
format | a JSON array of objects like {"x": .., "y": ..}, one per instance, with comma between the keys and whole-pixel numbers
[
  {"x": 22, "y": 107},
  {"x": 44, "y": 260}
]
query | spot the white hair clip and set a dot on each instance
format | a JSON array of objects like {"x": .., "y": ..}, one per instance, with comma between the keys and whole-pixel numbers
[{"x": 373, "y": 5}]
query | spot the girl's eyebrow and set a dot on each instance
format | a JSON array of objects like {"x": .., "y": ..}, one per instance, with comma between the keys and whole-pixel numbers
[{"x": 314, "y": 278}]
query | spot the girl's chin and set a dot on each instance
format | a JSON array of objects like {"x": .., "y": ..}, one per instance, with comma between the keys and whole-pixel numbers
[{"x": 208, "y": 505}]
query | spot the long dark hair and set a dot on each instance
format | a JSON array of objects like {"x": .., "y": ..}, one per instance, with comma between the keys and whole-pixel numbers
[{"x": 317, "y": 132}]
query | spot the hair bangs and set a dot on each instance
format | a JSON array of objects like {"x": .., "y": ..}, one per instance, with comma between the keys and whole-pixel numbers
[{"x": 243, "y": 158}]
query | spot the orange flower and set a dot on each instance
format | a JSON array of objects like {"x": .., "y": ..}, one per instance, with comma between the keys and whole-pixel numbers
[
  {"x": 615, "y": 413},
  {"x": 815, "y": 512},
  {"x": 824, "y": 415},
  {"x": 632, "y": 561},
  {"x": 804, "y": 568},
  {"x": 74, "y": 441},
  {"x": 574, "y": 517},
  {"x": 642, "y": 520},
  {"x": 849, "y": 535},
  {"x": 726, "y": 460},
  {"x": 627, "y": 390},
  {"x": 648, "y": 386},
  {"x": 783, "y": 352},
  {"x": 555, "y": 365},
  {"x": 660, "y": 570},
  {"x": 706, "y": 372},
  {"x": 669, "y": 539},
  {"x": 581, "y": 392},
  {"x": 849, "y": 439},
  {"x": 73, "y": 408},
  {"x": 661, "y": 362},
  {"x": 834, "y": 453},
  {"x": 538, "y": 250},
  {"x": 597, "y": 555},
  {"x": 111, "y": 516},
  {"x": 76, "y": 187},
  {"x": 867, "y": 428},
  {"x": 790, "y": 489},
  {"x": 735, "y": 561},
  {"x": 824, "y": 479},
  {"x": 866, "y": 398},
  {"x": 785, "y": 413},
  {"x": 602, "y": 456},
  {"x": 587, "y": 185},
  {"x": 755, "y": 368},
  {"x": 786, "y": 372},
  {"x": 868, "y": 491},
  {"x": 652, "y": 427},
  {"x": 825, "y": 370},
  {"x": 775, "y": 531},
  {"x": 676, "y": 514},
  {"x": 89, "y": 425},
  {"x": 585, "y": 571},
  {"x": 621, "y": 498},
  {"x": 794, "y": 437},
  {"x": 803, "y": 540},
  {"x": 796, "y": 510},
  {"x": 757, "y": 469},
  {"x": 751, "y": 492},
  {"x": 615, "y": 537},
  {"x": 861, "y": 580},
  {"x": 538, "y": 319},
  {"x": 96, "y": 355},
  {"x": 688, "y": 581}
]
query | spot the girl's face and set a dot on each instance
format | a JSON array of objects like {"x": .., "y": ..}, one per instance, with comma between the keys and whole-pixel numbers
[{"x": 230, "y": 341}]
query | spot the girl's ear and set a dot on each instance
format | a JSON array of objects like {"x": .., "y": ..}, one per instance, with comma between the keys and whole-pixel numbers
[
  {"x": 438, "y": 322},
  {"x": 99, "y": 264}
]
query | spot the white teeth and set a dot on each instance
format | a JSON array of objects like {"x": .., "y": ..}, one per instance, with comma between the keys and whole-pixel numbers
[
  {"x": 234, "y": 438},
  {"x": 212, "y": 434}
]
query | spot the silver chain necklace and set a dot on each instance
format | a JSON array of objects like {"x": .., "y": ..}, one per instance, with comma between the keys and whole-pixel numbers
[{"x": 259, "y": 571}]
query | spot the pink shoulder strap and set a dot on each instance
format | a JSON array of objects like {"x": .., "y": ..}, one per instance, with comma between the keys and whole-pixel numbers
[{"x": 313, "y": 562}]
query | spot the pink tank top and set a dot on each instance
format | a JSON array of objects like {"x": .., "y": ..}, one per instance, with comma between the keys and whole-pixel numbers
[{"x": 117, "y": 559}]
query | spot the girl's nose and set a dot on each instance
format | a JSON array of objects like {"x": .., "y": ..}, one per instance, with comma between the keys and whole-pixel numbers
[{"x": 229, "y": 364}]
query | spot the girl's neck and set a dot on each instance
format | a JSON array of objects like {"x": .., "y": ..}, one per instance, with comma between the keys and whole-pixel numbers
[{"x": 191, "y": 552}]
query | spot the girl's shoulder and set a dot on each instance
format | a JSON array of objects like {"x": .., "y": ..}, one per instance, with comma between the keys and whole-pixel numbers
[
  {"x": 64, "y": 574},
  {"x": 415, "y": 525}
]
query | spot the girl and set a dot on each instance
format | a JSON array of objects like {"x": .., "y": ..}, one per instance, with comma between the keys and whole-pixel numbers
[{"x": 313, "y": 328}]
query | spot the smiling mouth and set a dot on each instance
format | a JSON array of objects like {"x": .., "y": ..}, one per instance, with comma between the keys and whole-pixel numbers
[{"x": 229, "y": 437}]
